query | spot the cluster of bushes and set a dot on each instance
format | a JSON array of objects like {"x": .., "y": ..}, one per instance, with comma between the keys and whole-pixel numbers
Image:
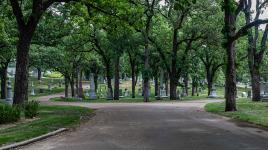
[{"x": 10, "y": 114}]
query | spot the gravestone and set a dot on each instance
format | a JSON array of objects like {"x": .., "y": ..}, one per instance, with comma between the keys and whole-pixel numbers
[
  {"x": 243, "y": 94},
  {"x": 49, "y": 87},
  {"x": 87, "y": 92},
  {"x": 109, "y": 94},
  {"x": 126, "y": 92},
  {"x": 121, "y": 93},
  {"x": 140, "y": 92},
  {"x": 249, "y": 94},
  {"x": 92, "y": 93},
  {"x": 213, "y": 93},
  {"x": 9, "y": 98},
  {"x": 60, "y": 83},
  {"x": 32, "y": 91},
  {"x": 264, "y": 89}
]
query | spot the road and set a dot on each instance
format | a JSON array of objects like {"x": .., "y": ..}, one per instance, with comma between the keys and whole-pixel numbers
[{"x": 156, "y": 126}]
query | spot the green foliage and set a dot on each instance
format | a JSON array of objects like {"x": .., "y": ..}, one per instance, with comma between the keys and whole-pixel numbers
[
  {"x": 9, "y": 114},
  {"x": 31, "y": 109}
]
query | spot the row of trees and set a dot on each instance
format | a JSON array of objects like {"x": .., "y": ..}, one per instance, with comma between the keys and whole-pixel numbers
[{"x": 103, "y": 37}]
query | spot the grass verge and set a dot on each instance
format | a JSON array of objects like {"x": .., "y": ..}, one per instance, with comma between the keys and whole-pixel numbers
[
  {"x": 50, "y": 118},
  {"x": 252, "y": 112},
  {"x": 125, "y": 100}
]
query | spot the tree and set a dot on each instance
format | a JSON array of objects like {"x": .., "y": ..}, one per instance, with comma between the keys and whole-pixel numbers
[
  {"x": 231, "y": 11},
  {"x": 255, "y": 52},
  {"x": 26, "y": 24}
]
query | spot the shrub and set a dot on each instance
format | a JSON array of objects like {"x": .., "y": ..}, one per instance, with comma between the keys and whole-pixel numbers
[
  {"x": 9, "y": 114},
  {"x": 31, "y": 109}
]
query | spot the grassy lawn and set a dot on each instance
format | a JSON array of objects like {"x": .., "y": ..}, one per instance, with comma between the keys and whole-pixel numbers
[
  {"x": 50, "y": 118},
  {"x": 126, "y": 100},
  {"x": 253, "y": 112}
]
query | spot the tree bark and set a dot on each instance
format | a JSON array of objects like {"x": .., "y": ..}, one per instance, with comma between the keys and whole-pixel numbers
[
  {"x": 173, "y": 73},
  {"x": 72, "y": 86},
  {"x": 156, "y": 86},
  {"x": 39, "y": 74},
  {"x": 116, "y": 78},
  {"x": 21, "y": 76},
  {"x": 133, "y": 76},
  {"x": 80, "y": 91},
  {"x": 230, "y": 76},
  {"x": 96, "y": 82},
  {"x": 230, "y": 79},
  {"x": 4, "y": 80},
  {"x": 255, "y": 77},
  {"x": 108, "y": 76},
  {"x": 66, "y": 87},
  {"x": 193, "y": 88}
]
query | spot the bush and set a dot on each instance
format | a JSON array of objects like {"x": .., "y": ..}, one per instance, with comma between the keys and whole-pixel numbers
[
  {"x": 9, "y": 114},
  {"x": 31, "y": 109}
]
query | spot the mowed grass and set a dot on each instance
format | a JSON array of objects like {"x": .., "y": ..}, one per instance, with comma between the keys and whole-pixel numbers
[
  {"x": 50, "y": 118},
  {"x": 253, "y": 112},
  {"x": 139, "y": 99}
]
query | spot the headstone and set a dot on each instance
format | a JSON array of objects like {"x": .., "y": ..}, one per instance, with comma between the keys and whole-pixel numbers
[
  {"x": 243, "y": 94},
  {"x": 109, "y": 94},
  {"x": 49, "y": 87},
  {"x": 121, "y": 93},
  {"x": 87, "y": 92},
  {"x": 32, "y": 91},
  {"x": 60, "y": 83},
  {"x": 213, "y": 93},
  {"x": 92, "y": 93},
  {"x": 264, "y": 89},
  {"x": 9, "y": 98},
  {"x": 140, "y": 92},
  {"x": 126, "y": 93},
  {"x": 249, "y": 94}
]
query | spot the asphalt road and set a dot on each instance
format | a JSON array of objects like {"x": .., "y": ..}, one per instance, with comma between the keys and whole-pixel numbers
[{"x": 156, "y": 126}]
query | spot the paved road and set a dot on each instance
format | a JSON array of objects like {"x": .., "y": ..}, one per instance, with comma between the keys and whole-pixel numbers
[{"x": 156, "y": 126}]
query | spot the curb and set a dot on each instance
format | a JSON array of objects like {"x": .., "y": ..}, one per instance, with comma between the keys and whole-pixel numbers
[{"x": 26, "y": 142}]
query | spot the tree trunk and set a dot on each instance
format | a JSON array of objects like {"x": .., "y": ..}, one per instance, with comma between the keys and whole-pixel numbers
[
  {"x": 146, "y": 83},
  {"x": 116, "y": 78},
  {"x": 133, "y": 80},
  {"x": 109, "y": 78},
  {"x": 72, "y": 86},
  {"x": 230, "y": 76},
  {"x": 173, "y": 87},
  {"x": 80, "y": 91},
  {"x": 173, "y": 73},
  {"x": 186, "y": 79},
  {"x": 255, "y": 77},
  {"x": 230, "y": 79},
  {"x": 66, "y": 87},
  {"x": 193, "y": 88},
  {"x": 210, "y": 83},
  {"x": 21, "y": 77},
  {"x": 3, "y": 81},
  {"x": 156, "y": 86},
  {"x": 39, "y": 74},
  {"x": 166, "y": 83},
  {"x": 96, "y": 81}
]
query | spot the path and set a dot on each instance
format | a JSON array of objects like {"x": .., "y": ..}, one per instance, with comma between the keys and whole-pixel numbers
[{"x": 155, "y": 126}]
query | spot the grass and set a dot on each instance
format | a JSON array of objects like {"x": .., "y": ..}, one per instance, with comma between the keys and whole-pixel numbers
[
  {"x": 252, "y": 112},
  {"x": 50, "y": 118},
  {"x": 139, "y": 99}
]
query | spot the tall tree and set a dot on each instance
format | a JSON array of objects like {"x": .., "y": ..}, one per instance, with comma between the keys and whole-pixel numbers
[
  {"x": 255, "y": 52},
  {"x": 231, "y": 33}
]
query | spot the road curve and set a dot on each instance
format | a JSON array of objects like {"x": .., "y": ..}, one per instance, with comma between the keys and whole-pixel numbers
[{"x": 155, "y": 126}]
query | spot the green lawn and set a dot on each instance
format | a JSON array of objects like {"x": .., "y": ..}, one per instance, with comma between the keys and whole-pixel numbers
[
  {"x": 253, "y": 112},
  {"x": 126, "y": 100},
  {"x": 50, "y": 118}
]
